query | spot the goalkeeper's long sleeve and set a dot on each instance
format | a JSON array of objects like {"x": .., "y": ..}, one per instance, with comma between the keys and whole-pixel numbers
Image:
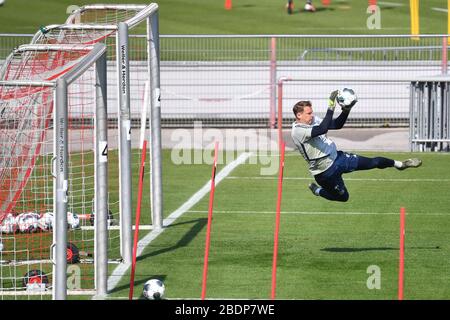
[
  {"x": 339, "y": 122},
  {"x": 323, "y": 127}
]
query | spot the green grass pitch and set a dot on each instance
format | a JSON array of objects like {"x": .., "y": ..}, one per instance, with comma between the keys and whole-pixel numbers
[
  {"x": 246, "y": 16},
  {"x": 325, "y": 248}
]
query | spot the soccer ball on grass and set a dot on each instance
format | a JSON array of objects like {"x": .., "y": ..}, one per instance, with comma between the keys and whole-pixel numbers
[
  {"x": 154, "y": 289},
  {"x": 28, "y": 222},
  {"x": 46, "y": 221},
  {"x": 8, "y": 225},
  {"x": 35, "y": 280},
  {"x": 309, "y": 7},
  {"x": 73, "y": 221},
  {"x": 346, "y": 98}
]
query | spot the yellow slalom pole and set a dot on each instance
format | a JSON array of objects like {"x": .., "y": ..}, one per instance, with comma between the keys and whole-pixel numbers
[
  {"x": 448, "y": 18},
  {"x": 414, "y": 11}
]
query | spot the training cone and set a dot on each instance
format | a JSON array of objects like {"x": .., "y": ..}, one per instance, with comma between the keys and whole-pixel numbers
[
  {"x": 228, "y": 4},
  {"x": 326, "y": 2}
]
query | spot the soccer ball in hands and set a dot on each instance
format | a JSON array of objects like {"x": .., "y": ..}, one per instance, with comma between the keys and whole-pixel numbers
[
  {"x": 346, "y": 98},
  {"x": 154, "y": 289}
]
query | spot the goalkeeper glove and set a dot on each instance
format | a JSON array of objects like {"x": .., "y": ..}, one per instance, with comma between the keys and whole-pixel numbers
[{"x": 332, "y": 99}]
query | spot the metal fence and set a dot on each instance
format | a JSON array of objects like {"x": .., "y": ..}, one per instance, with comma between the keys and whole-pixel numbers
[
  {"x": 231, "y": 80},
  {"x": 429, "y": 128}
]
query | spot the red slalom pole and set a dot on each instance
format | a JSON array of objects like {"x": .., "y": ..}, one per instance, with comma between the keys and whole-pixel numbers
[
  {"x": 138, "y": 217},
  {"x": 402, "y": 254},
  {"x": 228, "y": 5},
  {"x": 277, "y": 221},
  {"x": 208, "y": 229}
]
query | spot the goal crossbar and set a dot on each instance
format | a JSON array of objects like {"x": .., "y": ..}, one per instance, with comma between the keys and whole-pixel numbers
[
  {"x": 53, "y": 47},
  {"x": 18, "y": 83}
]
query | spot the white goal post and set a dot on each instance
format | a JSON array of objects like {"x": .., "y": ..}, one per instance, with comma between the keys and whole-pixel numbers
[{"x": 98, "y": 57}]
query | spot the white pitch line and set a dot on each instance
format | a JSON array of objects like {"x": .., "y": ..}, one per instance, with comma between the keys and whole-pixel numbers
[
  {"x": 440, "y": 9},
  {"x": 141, "y": 227},
  {"x": 297, "y": 212},
  {"x": 315, "y": 212},
  {"x": 120, "y": 271},
  {"x": 346, "y": 179},
  {"x": 391, "y": 4}
]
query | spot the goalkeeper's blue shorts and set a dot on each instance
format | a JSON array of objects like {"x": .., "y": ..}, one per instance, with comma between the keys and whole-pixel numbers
[{"x": 331, "y": 179}]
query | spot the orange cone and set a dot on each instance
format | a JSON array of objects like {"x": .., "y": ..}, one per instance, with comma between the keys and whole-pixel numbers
[
  {"x": 228, "y": 4},
  {"x": 326, "y": 2}
]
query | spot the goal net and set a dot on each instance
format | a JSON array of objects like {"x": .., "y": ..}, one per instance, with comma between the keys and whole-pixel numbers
[
  {"x": 130, "y": 95},
  {"x": 29, "y": 158}
]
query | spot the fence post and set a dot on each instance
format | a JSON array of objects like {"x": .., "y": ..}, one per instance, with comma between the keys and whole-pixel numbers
[
  {"x": 273, "y": 80},
  {"x": 444, "y": 55}
]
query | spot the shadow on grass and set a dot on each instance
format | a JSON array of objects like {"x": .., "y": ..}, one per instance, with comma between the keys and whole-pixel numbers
[
  {"x": 199, "y": 224},
  {"x": 187, "y": 222},
  {"x": 357, "y": 249},
  {"x": 303, "y": 11},
  {"x": 349, "y": 250}
]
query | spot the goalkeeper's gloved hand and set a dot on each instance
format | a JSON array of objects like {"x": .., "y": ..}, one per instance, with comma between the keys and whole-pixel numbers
[
  {"x": 350, "y": 106},
  {"x": 332, "y": 99}
]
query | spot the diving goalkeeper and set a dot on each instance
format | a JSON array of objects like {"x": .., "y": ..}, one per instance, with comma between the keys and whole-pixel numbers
[{"x": 326, "y": 163}]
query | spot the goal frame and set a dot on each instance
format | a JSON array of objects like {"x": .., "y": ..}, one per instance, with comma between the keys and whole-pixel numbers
[
  {"x": 58, "y": 250},
  {"x": 150, "y": 14},
  {"x": 96, "y": 57}
]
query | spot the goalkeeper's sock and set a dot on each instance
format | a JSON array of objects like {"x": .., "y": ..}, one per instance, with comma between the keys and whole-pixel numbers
[
  {"x": 317, "y": 192},
  {"x": 315, "y": 189},
  {"x": 410, "y": 163},
  {"x": 398, "y": 164}
]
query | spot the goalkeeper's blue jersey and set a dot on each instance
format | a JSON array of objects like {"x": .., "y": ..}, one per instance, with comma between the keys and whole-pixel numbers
[{"x": 320, "y": 152}]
